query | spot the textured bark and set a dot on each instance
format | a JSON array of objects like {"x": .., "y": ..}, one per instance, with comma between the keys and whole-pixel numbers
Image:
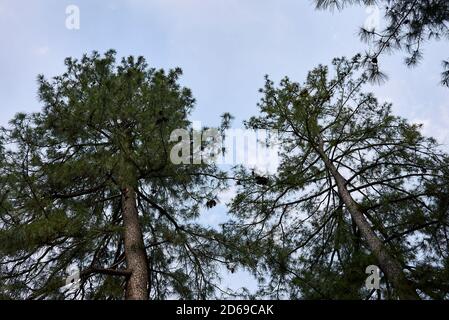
[
  {"x": 387, "y": 263},
  {"x": 135, "y": 253}
]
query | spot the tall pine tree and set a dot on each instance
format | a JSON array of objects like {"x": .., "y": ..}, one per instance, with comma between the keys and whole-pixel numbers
[
  {"x": 356, "y": 186},
  {"x": 88, "y": 183}
]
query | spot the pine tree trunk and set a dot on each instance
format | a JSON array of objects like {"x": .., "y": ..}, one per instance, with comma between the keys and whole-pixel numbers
[
  {"x": 136, "y": 256},
  {"x": 387, "y": 263}
]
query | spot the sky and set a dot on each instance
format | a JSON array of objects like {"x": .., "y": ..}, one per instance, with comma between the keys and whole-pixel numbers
[{"x": 225, "y": 47}]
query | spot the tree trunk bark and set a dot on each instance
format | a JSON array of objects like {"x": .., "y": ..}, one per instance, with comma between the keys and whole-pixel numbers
[
  {"x": 135, "y": 253},
  {"x": 387, "y": 263}
]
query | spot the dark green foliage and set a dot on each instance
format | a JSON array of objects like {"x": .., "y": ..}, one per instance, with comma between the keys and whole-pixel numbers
[
  {"x": 104, "y": 125},
  {"x": 312, "y": 247}
]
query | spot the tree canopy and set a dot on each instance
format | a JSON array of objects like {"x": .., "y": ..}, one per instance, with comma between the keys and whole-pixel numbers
[
  {"x": 356, "y": 186},
  {"x": 88, "y": 182}
]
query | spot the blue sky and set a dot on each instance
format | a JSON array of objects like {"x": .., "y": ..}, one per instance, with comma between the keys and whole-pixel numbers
[{"x": 225, "y": 47}]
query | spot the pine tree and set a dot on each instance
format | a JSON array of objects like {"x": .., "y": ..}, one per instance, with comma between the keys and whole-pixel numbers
[
  {"x": 409, "y": 24},
  {"x": 88, "y": 182},
  {"x": 356, "y": 186}
]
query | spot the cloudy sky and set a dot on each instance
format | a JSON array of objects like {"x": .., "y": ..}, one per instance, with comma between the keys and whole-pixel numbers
[{"x": 225, "y": 47}]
